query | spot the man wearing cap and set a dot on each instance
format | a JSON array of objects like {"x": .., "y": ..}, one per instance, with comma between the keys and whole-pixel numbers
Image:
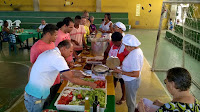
[
  {"x": 119, "y": 27},
  {"x": 131, "y": 69}
]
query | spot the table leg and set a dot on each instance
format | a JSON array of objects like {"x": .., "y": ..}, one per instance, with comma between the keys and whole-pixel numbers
[{"x": 27, "y": 46}]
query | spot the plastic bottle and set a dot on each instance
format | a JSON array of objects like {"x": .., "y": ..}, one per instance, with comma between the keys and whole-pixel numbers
[
  {"x": 87, "y": 104},
  {"x": 96, "y": 105}
]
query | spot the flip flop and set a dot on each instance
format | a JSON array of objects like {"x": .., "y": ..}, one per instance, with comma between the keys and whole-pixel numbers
[{"x": 120, "y": 102}]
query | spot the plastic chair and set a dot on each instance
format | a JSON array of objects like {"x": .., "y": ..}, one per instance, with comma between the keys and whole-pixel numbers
[
  {"x": 17, "y": 23},
  {"x": 9, "y": 24}
]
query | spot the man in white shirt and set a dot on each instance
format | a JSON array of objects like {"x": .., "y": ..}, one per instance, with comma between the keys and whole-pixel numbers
[
  {"x": 44, "y": 72},
  {"x": 43, "y": 24}
]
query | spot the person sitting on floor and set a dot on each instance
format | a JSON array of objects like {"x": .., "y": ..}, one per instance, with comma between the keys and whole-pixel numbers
[
  {"x": 178, "y": 83},
  {"x": 43, "y": 24},
  {"x": 8, "y": 35}
]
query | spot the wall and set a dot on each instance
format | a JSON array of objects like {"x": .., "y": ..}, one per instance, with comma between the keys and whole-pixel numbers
[
  {"x": 197, "y": 11},
  {"x": 22, "y": 5},
  {"x": 147, "y": 20},
  {"x": 58, "y": 5}
]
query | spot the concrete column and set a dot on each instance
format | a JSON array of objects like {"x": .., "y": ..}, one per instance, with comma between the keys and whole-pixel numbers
[
  {"x": 36, "y": 5},
  {"x": 98, "y": 5}
]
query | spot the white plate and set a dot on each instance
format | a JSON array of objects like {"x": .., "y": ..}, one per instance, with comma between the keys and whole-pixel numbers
[
  {"x": 88, "y": 73},
  {"x": 77, "y": 65},
  {"x": 85, "y": 74}
]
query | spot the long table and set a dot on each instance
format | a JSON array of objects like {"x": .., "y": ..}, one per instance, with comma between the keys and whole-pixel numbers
[
  {"x": 110, "y": 106},
  {"x": 26, "y": 34}
]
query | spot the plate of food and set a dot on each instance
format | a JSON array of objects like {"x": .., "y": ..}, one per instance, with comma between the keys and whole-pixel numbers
[{"x": 73, "y": 99}]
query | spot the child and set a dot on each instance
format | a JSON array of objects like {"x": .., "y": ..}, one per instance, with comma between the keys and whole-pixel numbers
[
  {"x": 83, "y": 22},
  {"x": 93, "y": 28}
]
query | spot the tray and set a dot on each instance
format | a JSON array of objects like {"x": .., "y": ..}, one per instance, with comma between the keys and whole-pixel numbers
[
  {"x": 76, "y": 107},
  {"x": 94, "y": 60}
]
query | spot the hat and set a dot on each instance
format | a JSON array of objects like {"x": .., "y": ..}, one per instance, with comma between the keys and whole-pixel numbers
[
  {"x": 130, "y": 40},
  {"x": 121, "y": 25}
]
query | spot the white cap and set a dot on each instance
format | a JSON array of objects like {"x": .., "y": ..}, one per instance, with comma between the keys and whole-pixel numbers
[
  {"x": 121, "y": 25},
  {"x": 131, "y": 40}
]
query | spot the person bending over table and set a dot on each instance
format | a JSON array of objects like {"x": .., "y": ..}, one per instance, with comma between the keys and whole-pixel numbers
[
  {"x": 178, "y": 83},
  {"x": 44, "y": 73},
  {"x": 131, "y": 69}
]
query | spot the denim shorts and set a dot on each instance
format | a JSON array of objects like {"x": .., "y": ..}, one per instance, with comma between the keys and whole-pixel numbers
[{"x": 32, "y": 103}]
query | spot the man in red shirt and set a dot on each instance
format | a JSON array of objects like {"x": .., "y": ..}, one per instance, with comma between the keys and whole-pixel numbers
[
  {"x": 63, "y": 34},
  {"x": 45, "y": 43}
]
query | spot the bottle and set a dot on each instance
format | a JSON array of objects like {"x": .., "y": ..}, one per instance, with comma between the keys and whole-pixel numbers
[
  {"x": 87, "y": 104},
  {"x": 96, "y": 105}
]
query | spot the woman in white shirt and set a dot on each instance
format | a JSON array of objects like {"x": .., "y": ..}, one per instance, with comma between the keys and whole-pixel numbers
[
  {"x": 106, "y": 27},
  {"x": 131, "y": 69}
]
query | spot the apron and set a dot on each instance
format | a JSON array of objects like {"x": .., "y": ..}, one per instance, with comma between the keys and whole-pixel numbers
[{"x": 113, "y": 53}]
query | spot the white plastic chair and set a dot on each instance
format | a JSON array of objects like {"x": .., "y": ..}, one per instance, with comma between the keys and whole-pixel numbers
[
  {"x": 1, "y": 23},
  {"x": 9, "y": 24},
  {"x": 17, "y": 23}
]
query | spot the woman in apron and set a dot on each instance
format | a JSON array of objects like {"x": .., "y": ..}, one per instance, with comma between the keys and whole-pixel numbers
[
  {"x": 131, "y": 69},
  {"x": 117, "y": 49}
]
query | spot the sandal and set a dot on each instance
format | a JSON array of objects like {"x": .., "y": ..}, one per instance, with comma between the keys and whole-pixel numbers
[{"x": 120, "y": 102}]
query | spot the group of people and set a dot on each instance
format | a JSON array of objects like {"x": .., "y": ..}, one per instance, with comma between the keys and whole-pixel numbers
[{"x": 52, "y": 56}]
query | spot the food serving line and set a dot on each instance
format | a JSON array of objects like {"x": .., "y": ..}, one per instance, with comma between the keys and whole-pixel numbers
[{"x": 109, "y": 89}]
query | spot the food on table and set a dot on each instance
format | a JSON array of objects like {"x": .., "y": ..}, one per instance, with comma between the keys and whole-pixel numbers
[
  {"x": 68, "y": 95},
  {"x": 86, "y": 52},
  {"x": 100, "y": 83},
  {"x": 93, "y": 59},
  {"x": 88, "y": 66}
]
